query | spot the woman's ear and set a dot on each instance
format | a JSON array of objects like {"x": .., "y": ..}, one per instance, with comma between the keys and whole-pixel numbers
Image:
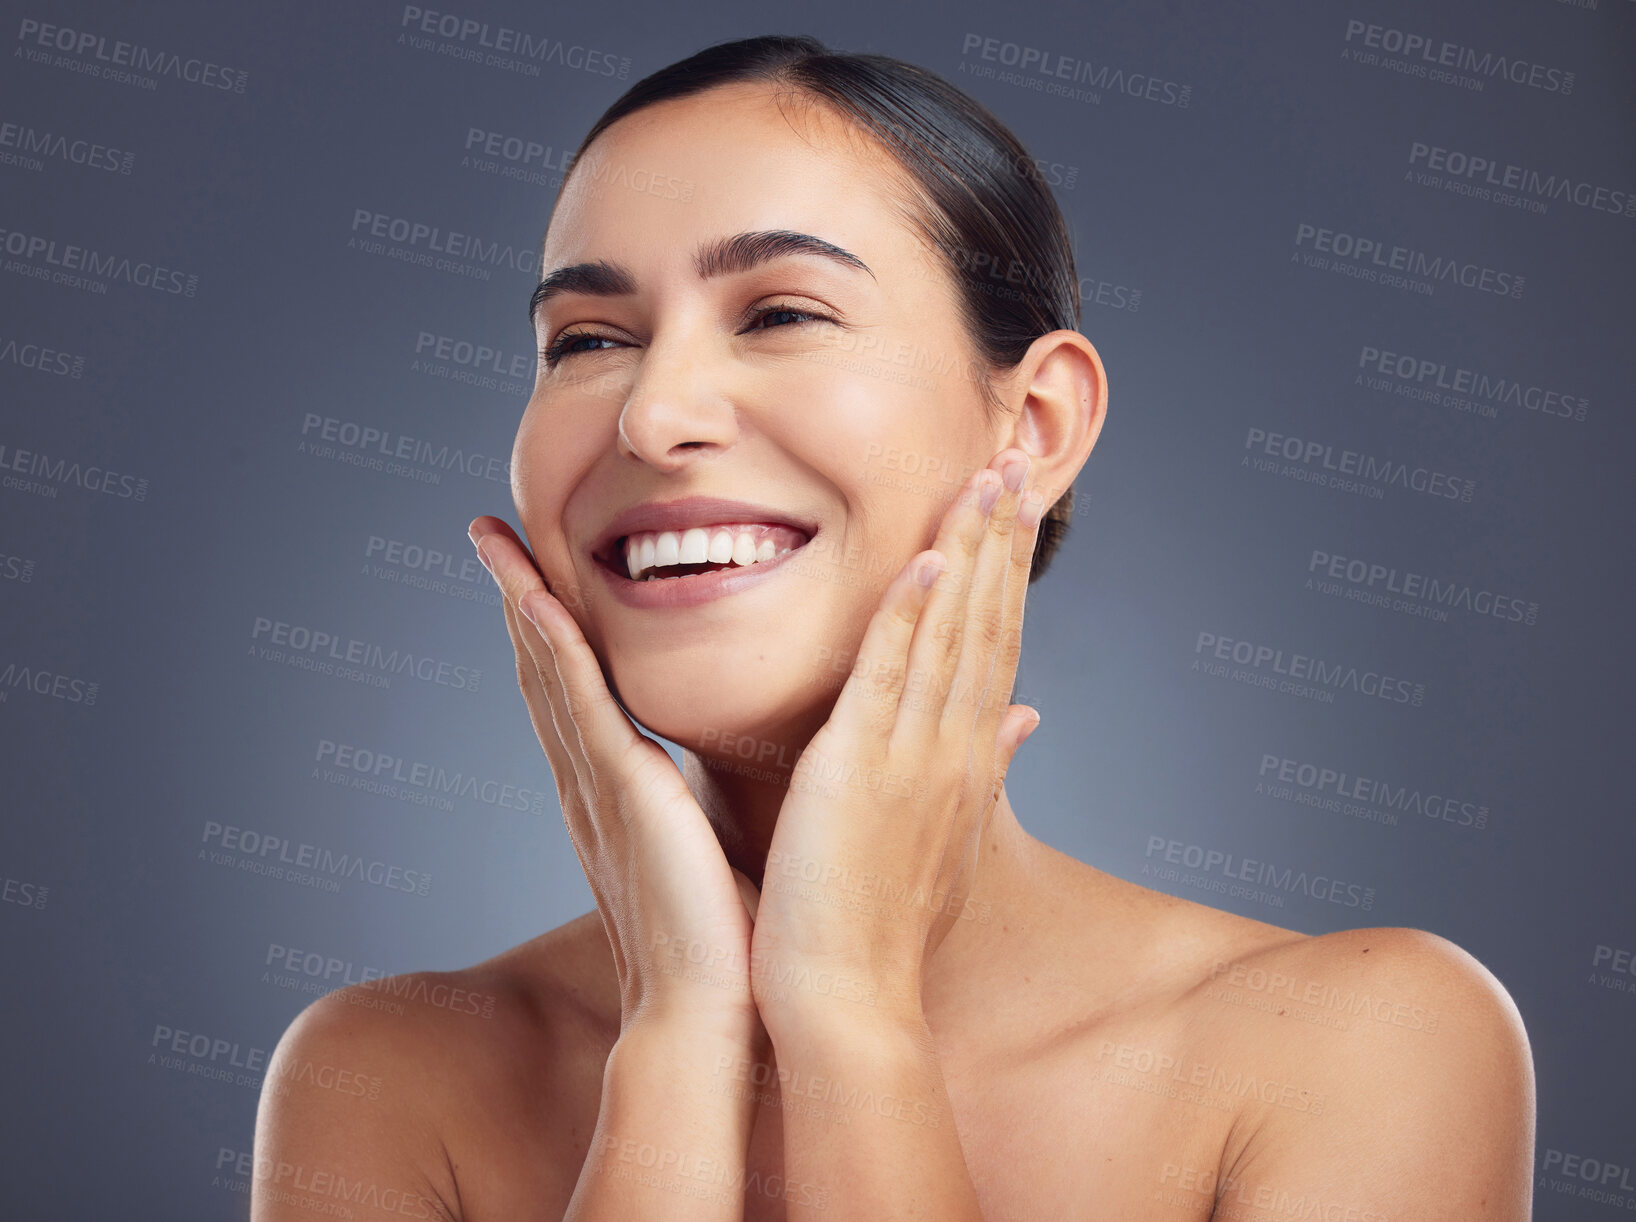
[{"x": 1058, "y": 394}]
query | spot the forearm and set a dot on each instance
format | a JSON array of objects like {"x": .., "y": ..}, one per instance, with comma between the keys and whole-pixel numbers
[
  {"x": 882, "y": 1144},
  {"x": 670, "y": 1142}
]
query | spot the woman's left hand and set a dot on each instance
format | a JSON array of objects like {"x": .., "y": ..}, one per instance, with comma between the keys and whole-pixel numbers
[{"x": 874, "y": 852}]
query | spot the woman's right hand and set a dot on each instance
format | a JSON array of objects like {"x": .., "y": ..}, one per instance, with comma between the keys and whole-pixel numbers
[{"x": 677, "y": 915}]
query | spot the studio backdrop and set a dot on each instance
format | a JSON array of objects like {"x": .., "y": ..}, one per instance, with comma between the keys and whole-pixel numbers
[{"x": 1339, "y": 636}]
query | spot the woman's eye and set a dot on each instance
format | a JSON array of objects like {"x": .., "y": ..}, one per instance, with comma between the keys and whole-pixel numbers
[
  {"x": 564, "y": 344},
  {"x": 785, "y": 311}
]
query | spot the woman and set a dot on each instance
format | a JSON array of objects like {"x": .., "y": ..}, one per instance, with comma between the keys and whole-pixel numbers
[{"x": 810, "y": 398}]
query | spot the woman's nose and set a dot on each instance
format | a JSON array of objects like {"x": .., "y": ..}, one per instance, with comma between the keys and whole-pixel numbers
[{"x": 675, "y": 409}]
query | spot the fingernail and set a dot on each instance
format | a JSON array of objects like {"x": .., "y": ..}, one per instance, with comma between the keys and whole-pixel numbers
[
  {"x": 1033, "y": 505},
  {"x": 989, "y": 494},
  {"x": 526, "y": 606},
  {"x": 928, "y": 571},
  {"x": 1015, "y": 472},
  {"x": 483, "y": 555}
]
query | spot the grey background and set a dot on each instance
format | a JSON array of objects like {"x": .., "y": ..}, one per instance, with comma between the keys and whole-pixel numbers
[{"x": 118, "y": 921}]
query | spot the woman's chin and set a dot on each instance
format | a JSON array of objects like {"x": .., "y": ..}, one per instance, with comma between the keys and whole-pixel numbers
[{"x": 717, "y": 715}]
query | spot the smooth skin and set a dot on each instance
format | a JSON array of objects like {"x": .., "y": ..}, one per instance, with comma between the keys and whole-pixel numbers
[{"x": 863, "y": 991}]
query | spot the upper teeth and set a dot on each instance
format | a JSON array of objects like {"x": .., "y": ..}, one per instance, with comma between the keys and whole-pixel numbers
[{"x": 728, "y": 544}]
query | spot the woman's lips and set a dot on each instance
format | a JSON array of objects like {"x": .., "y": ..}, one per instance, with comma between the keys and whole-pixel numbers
[{"x": 661, "y": 592}]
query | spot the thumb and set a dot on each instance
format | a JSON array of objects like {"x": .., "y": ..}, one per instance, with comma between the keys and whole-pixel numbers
[{"x": 1021, "y": 720}]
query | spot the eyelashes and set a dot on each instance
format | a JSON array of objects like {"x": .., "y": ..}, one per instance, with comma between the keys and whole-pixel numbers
[{"x": 561, "y": 347}]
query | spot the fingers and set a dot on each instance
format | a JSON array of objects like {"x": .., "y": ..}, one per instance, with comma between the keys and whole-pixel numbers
[
  {"x": 542, "y": 696},
  {"x": 536, "y": 669},
  {"x": 888, "y": 695},
  {"x": 999, "y": 590},
  {"x": 962, "y": 634},
  {"x": 972, "y": 647},
  {"x": 963, "y": 645},
  {"x": 871, "y": 695}
]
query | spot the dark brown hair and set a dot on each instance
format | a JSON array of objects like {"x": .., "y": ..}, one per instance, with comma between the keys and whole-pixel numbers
[{"x": 979, "y": 200}]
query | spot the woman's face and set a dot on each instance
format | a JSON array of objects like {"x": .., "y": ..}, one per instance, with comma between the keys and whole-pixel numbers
[{"x": 848, "y": 411}]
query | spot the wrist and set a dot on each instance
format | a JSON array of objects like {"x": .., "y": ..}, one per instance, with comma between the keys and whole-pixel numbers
[
  {"x": 815, "y": 1021},
  {"x": 878, "y": 1051},
  {"x": 686, "y": 1030}
]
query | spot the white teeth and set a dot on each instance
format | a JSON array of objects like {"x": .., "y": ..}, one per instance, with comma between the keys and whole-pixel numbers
[
  {"x": 721, "y": 547},
  {"x": 728, "y": 544},
  {"x": 695, "y": 546}
]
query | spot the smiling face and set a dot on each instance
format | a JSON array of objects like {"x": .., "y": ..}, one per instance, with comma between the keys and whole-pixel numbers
[{"x": 835, "y": 398}]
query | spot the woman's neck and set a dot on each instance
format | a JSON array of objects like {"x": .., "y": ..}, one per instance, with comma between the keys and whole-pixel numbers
[{"x": 1016, "y": 893}]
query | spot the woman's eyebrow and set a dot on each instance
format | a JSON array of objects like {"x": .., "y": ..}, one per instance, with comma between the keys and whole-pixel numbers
[{"x": 717, "y": 257}]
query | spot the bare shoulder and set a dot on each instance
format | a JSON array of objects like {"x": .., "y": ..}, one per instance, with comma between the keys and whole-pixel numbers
[
  {"x": 1413, "y": 1063},
  {"x": 1405, "y": 978},
  {"x": 380, "y": 1090},
  {"x": 1379, "y": 987}
]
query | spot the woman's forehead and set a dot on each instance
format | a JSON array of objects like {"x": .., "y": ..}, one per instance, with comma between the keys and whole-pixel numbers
[{"x": 701, "y": 168}]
